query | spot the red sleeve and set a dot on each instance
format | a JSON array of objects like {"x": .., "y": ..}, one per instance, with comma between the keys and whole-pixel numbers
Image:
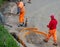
[{"x": 50, "y": 24}]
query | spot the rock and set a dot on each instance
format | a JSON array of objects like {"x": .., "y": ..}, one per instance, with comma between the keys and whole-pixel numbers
[
  {"x": 12, "y": 0},
  {"x": 2, "y": 18},
  {"x": 11, "y": 8}
]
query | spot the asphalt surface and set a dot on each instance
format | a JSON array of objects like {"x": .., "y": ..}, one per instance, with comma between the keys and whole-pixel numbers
[{"x": 38, "y": 14}]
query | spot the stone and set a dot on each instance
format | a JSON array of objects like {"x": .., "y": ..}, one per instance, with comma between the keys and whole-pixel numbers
[
  {"x": 2, "y": 18},
  {"x": 11, "y": 8}
]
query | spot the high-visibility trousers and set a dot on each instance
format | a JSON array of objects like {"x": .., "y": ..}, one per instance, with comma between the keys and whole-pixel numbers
[
  {"x": 53, "y": 34},
  {"x": 21, "y": 17}
]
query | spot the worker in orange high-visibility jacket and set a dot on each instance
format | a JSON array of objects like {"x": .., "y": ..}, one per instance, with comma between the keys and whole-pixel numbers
[
  {"x": 22, "y": 13},
  {"x": 52, "y": 30}
]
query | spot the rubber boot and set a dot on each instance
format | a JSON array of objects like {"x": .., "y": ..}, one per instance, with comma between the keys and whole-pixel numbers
[
  {"x": 45, "y": 40},
  {"x": 55, "y": 44},
  {"x": 26, "y": 22}
]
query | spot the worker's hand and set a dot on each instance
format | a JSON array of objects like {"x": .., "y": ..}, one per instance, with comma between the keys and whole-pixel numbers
[{"x": 47, "y": 25}]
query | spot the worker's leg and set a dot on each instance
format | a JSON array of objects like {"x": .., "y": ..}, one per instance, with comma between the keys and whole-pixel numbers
[
  {"x": 21, "y": 18},
  {"x": 48, "y": 36},
  {"x": 54, "y": 37}
]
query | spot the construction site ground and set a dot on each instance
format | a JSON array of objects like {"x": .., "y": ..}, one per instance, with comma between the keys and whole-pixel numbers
[{"x": 38, "y": 13}]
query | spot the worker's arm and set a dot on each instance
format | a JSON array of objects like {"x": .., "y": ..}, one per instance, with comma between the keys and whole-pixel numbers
[{"x": 50, "y": 24}]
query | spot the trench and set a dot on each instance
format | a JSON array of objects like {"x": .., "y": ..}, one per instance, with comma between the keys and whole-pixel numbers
[{"x": 18, "y": 39}]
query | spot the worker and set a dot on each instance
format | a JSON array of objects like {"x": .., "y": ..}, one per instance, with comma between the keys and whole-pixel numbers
[
  {"x": 22, "y": 13},
  {"x": 52, "y": 30}
]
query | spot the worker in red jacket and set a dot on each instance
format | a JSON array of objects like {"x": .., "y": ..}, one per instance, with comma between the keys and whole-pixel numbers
[{"x": 52, "y": 30}]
